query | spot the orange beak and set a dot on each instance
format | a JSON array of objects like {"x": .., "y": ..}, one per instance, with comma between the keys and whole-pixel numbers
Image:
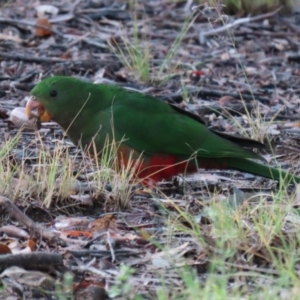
[{"x": 32, "y": 104}]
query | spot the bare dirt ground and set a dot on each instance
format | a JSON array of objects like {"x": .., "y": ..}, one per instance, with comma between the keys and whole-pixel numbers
[{"x": 243, "y": 81}]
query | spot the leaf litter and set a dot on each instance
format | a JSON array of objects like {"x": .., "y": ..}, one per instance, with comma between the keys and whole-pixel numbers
[{"x": 60, "y": 219}]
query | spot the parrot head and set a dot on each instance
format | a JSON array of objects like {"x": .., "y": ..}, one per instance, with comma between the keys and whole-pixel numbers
[{"x": 54, "y": 98}]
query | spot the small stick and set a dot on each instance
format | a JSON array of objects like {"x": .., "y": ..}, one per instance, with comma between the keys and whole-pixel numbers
[
  {"x": 31, "y": 261},
  {"x": 202, "y": 35},
  {"x": 15, "y": 212},
  {"x": 32, "y": 58},
  {"x": 19, "y": 22}
]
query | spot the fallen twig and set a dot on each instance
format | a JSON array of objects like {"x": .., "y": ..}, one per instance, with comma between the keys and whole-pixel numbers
[
  {"x": 204, "y": 34},
  {"x": 31, "y": 58},
  {"x": 213, "y": 92},
  {"x": 15, "y": 212},
  {"x": 33, "y": 261},
  {"x": 27, "y": 23}
]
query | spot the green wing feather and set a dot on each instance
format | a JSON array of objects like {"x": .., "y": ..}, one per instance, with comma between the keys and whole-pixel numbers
[{"x": 162, "y": 129}]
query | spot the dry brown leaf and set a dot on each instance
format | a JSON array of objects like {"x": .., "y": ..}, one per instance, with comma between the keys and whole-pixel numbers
[
  {"x": 108, "y": 222},
  {"x": 4, "y": 249},
  {"x": 31, "y": 244},
  {"x": 33, "y": 279},
  {"x": 41, "y": 32}
]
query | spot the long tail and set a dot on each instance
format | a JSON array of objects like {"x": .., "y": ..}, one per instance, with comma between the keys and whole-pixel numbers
[{"x": 259, "y": 169}]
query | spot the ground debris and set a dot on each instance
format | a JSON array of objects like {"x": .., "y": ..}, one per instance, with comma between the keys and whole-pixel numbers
[{"x": 68, "y": 231}]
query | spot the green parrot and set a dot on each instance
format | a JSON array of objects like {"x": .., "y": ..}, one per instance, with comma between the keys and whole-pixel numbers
[{"x": 158, "y": 139}]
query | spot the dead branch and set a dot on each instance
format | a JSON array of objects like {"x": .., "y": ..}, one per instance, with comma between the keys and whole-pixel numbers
[
  {"x": 15, "y": 212},
  {"x": 204, "y": 34}
]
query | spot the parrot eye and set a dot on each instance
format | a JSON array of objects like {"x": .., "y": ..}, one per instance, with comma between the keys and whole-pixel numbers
[{"x": 53, "y": 93}]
